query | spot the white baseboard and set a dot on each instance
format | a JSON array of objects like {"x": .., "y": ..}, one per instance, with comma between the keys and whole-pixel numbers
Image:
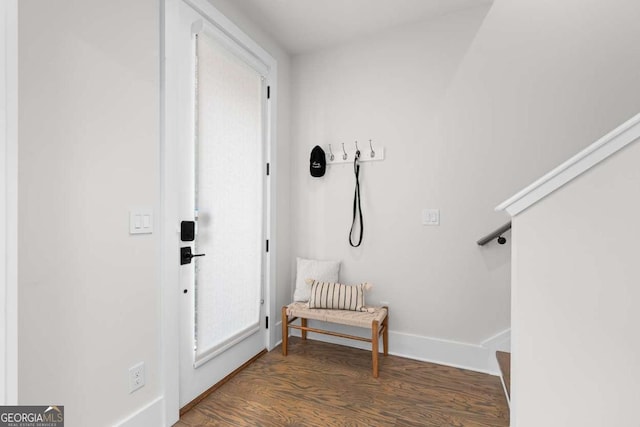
[
  {"x": 504, "y": 388},
  {"x": 278, "y": 335},
  {"x": 475, "y": 357},
  {"x": 498, "y": 342},
  {"x": 151, "y": 414},
  {"x": 443, "y": 352}
]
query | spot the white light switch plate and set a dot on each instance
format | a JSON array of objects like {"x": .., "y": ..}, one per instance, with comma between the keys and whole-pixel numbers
[
  {"x": 431, "y": 216},
  {"x": 141, "y": 221}
]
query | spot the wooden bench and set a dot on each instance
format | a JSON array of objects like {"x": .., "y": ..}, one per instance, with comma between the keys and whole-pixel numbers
[{"x": 377, "y": 321}]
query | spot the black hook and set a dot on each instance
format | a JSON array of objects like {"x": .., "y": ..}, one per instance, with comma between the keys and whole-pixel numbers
[{"x": 502, "y": 240}]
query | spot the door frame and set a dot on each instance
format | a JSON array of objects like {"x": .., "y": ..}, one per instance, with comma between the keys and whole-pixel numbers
[
  {"x": 9, "y": 203},
  {"x": 169, "y": 220}
]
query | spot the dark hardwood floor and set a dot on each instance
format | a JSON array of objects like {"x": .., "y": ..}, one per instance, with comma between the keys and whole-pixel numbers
[{"x": 321, "y": 384}]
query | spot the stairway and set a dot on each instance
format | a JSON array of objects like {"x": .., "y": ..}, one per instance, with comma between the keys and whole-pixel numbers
[{"x": 504, "y": 362}]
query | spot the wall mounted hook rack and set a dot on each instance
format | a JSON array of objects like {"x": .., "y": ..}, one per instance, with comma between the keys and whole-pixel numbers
[{"x": 374, "y": 153}]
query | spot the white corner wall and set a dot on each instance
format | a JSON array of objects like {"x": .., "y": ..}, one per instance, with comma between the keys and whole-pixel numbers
[
  {"x": 89, "y": 296},
  {"x": 471, "y": 107},
  {"x": 446, "y": 294},
  {"x": 575, "y": 297}
]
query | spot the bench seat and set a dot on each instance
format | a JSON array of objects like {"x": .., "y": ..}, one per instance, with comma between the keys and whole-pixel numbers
[{"x": 376, "y": 320}]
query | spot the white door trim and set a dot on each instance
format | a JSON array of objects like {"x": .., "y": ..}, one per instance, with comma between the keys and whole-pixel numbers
[
  {"x": 169, "y": 272},
  {"x": 9, "y": 202}
]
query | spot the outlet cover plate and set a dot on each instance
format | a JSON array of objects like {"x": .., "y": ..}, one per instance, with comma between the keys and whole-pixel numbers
[{"x": 136, "y": 377}]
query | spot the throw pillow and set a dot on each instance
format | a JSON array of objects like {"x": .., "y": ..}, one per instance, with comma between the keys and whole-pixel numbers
[
  {"x": 337, "y": 295},
  {"x": 327, "y": 271}
]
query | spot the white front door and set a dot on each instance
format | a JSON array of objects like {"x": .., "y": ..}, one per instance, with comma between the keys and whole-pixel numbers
[{"x": 221, "y": 158}]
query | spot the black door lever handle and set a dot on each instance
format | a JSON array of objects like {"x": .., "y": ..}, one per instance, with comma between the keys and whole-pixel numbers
[{"x": 186, "y": 255}]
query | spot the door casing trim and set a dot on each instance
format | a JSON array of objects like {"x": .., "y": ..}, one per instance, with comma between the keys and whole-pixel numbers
[{"x": 9, "y": 203}]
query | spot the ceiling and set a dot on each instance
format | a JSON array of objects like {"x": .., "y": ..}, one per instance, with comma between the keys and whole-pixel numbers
[{"x": 305, "y": 25}]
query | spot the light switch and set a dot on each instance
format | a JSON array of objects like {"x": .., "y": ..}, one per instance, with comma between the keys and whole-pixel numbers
[
  {"x": 431, "y": 216},
  {"x": 141, "y": 221}
]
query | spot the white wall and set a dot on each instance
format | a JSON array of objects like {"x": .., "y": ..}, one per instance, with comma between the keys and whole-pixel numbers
[
  {"x": 391, "y": 88},
  {"x": 470, "y": 109},
  {"x": 8, "y": 202},
  {"x": 541, "y": 81},
  {"x": 89, "y": 300},
  {"x": 89, "y": 151},
  {"x": 575, "y": 297}
]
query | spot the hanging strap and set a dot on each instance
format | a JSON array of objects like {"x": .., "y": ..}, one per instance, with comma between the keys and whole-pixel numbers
[{"x": 357, "y": 209}]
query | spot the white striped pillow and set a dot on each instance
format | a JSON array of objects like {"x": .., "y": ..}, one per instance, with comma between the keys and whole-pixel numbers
[{"x": 337, "y": 296}]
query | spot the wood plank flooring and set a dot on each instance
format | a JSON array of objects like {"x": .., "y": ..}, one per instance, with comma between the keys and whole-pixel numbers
[{"x": 320, "y": 384}]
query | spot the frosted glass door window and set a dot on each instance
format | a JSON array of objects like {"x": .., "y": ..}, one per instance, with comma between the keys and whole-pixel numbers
[{"x": 228, "y": 198}]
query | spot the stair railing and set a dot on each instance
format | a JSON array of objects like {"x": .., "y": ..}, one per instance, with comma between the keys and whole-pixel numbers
[{"x": 497, "y": 233}]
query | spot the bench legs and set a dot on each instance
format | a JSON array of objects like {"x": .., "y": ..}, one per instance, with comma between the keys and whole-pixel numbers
[
  {"x": 375, "y": 333},
  {"x": 385, "y": 334},
  {"x": 376, "y": 330},
  {"x": 303, "y": 333},
  {"x": 285, "y": 331}
]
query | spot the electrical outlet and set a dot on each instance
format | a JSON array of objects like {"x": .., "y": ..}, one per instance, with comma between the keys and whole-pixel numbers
[{"x": 136, "y": 377}]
